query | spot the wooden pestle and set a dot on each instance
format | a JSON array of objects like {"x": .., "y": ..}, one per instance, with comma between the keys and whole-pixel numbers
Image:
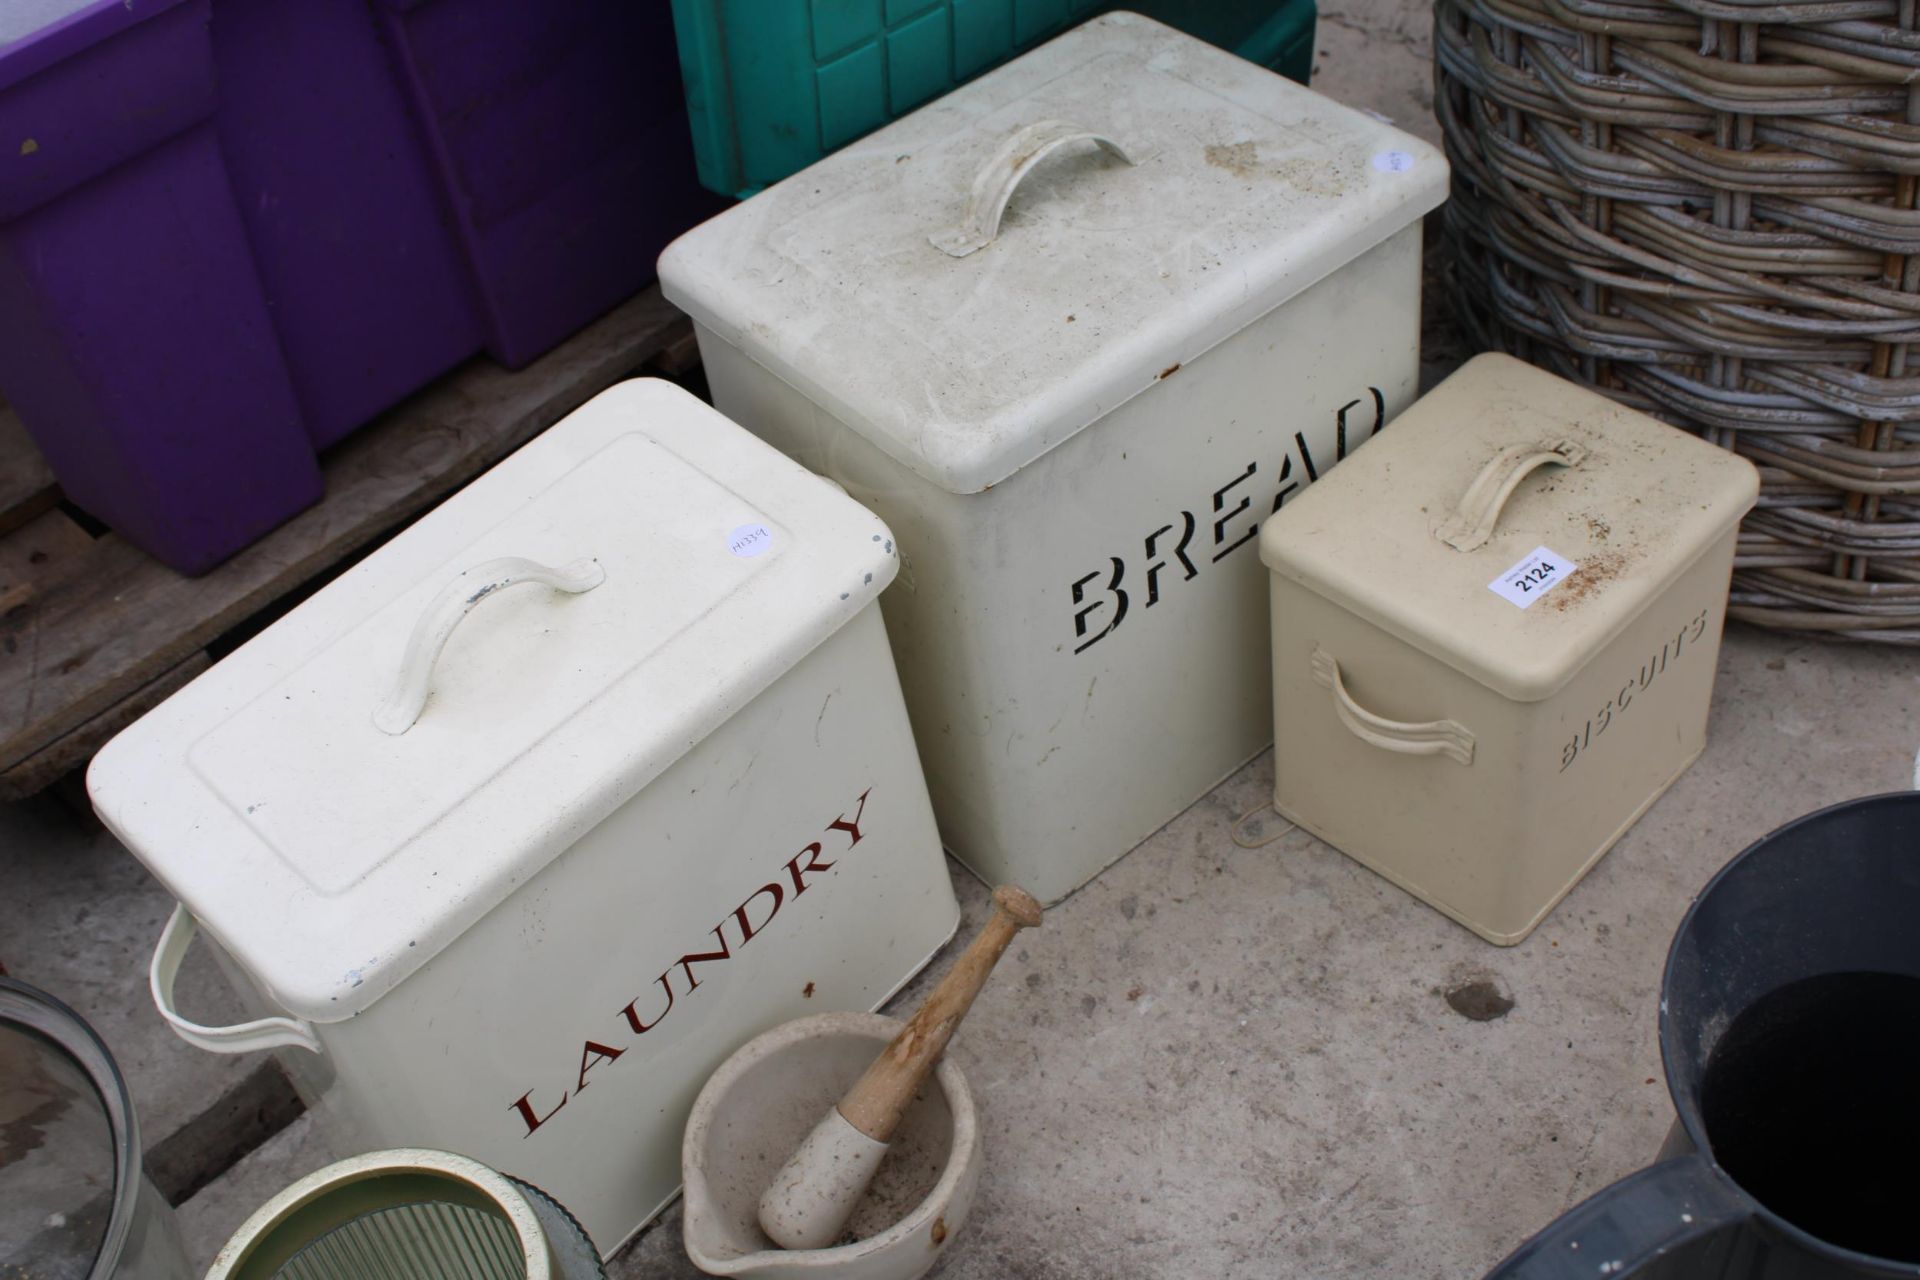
[{"x": 810, "y": 1199}]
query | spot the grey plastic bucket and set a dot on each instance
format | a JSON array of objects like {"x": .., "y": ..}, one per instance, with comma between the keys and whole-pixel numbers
[{"x": 1788, "y": 1021}]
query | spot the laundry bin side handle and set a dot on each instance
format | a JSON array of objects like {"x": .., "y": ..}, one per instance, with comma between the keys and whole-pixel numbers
[{"x": 241, "y": 1037}]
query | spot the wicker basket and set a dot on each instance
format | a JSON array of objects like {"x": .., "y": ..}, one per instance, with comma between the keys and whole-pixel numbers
[{"x": 1706, "y": 209}]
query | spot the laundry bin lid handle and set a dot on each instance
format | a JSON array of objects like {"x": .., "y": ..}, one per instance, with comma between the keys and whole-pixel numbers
[{"x": 456, "y": 600}]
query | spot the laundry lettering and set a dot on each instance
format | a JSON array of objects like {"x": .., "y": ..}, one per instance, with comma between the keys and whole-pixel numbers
[
  {"x": 1103, "y": 598},
  {"x": 739, "y": 927}
]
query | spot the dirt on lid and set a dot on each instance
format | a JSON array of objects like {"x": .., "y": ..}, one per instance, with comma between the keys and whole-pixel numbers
[{"x": 1594, "y": 573}]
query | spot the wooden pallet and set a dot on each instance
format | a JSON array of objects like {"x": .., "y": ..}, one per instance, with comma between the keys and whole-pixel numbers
[{"x": 94, "y": 633}]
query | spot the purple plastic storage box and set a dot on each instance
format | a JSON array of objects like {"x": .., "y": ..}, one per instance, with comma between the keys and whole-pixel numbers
[
  {"x": 365, "y": 276},
  {"x": 479, "y": 173},
  {"x": 197, "y": 290},
  {"x": 136, "y": 341},
  {"x": 560, "y": 135}
]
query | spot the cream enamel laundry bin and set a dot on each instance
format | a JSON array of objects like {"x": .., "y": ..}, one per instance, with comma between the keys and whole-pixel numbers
[
  {"x": 658, "y": 798},
  {"x": 1495, "y": 631},
  {"x": 1203, "y": 292}
]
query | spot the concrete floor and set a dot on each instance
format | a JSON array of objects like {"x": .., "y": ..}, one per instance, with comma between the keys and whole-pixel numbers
[
  {"x": 1212, "y": 1061},
  {"x": 1378, "y": 55},
  {"x": 1216, "y": 1061}
]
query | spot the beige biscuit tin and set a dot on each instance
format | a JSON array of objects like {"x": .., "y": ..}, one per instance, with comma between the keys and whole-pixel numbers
[{"x": 1495, "y": 630}]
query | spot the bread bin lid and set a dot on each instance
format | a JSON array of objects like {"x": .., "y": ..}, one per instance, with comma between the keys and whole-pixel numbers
[
  {"x": 1622, "y": 503},
  {"x": 333, "y": 856},
  {"x": 1164, "y": 194}
]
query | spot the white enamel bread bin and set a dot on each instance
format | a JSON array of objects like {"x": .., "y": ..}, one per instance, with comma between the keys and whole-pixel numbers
[
  {"x": 524, "y": 882},
  {"x": 1495, "y": 631},
  {"x": 1075, "y": 330}
]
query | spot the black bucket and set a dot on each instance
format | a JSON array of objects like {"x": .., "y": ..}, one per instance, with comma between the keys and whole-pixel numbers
[
  {"x": 75, "y": 1201},
  {"x": 1790, "y": 1028}
]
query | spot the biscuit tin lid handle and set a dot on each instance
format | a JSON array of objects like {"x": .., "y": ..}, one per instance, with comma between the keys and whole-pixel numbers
[
  {"x": 993, "y": 186},
  {"x": 1472, "y": 522},
  {"x": 458, "y": 598}
]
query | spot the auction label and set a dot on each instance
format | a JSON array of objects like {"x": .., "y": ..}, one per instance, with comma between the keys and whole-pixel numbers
[
  {"x": 1537, "y": 573},
  {"x": 749, "y": 540}
]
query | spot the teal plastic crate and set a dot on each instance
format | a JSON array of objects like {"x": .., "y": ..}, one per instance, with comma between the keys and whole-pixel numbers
[{"x": 773, "y": 85}]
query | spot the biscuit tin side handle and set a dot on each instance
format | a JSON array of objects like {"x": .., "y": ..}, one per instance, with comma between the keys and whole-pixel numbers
[
  {"x": 1473, "y": 521},
  {"x": 458, "y": 598},
  {"x": 994, "y": 185},
  {"x": 242, "y": 1037},
  {"x": 1447, "y": 738}
]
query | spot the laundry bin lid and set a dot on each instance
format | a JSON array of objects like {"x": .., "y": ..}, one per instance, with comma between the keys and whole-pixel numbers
[
  {"x": 333, "y": 832},
  {"x": 1435, "y": 529},
  {"x": 1159, "y": 193}
]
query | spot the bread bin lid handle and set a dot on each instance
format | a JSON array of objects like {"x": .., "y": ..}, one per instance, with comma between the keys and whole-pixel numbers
[{"x": 994, "y": 185}]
